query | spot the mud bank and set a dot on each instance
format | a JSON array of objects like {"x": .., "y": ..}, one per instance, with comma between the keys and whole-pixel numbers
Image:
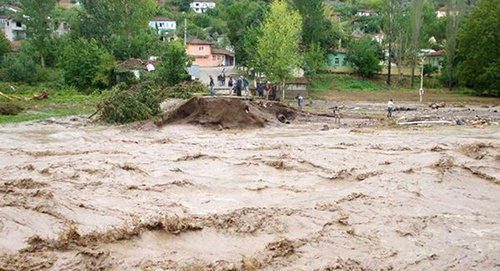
[
  {"x": 287, "y": 198},
  {"x": 229, "y": 113}
]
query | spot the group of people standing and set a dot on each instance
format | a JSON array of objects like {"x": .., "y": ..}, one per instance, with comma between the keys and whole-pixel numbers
[{"x": 241, "y": 86}]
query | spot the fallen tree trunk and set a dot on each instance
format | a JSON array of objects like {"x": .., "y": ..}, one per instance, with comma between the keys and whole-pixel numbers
[{"x": 426, "y": 122}]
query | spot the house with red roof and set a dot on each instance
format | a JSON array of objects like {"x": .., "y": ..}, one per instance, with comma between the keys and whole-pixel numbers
[{"x": 207, "y": 56}]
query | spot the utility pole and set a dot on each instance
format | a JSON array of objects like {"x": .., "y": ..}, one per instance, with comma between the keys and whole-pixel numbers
[
  {"x": 421, "y": 91},
  {"x": 185, "y": 31}
]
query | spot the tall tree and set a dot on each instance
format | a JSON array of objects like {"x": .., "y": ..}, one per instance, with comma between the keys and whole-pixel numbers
[
  {"x": 415, "y": 35},
  {"x": 390, "y": 12},
  {"x": 104, "y": 20},
  {"x": 172, "y": 68},
  {"x": 38, "y": 24},
  {"x": 363, "y": 54},
  {"x": 454, "y": 16},
  {"x": 278, "y": 45},
  {"x": 316, "y": 28},
  {"x": 478, "y": 48},
  {"x": 240, "y": 18},
  {"x": 4, "y": 46}
]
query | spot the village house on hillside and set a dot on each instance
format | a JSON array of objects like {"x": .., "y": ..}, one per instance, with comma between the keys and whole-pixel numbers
[
  {"x": 13, "y": 29},
  {"x": 443, "y": 12},
  {"x": 201, "y": 6},
  {"x": 163, "y": 24},
  {"x": 436, "y": 59},
  {"x": 367, "y": 12},
  {"x": 207, "y": 56},
  {"x": 338, "y": 59}
]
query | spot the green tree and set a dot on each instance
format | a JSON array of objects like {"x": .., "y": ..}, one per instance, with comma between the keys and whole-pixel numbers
[
  {"x": 39, "y": 26},
  {"x": 416, "y": 14},
  {"x": 4, "y": 46},
  {"x": 316, "y": 28},
  {"x": 105, "y": 20},
  {"x": 250, "y": 42},
  {"x": 172, "y": 69},
  {"x": 363, "y": 55},
  {"x": 103, "y": 77},
  {"x": 80, "y": 62},
  {"x": 278, "y": 45},
  {"x": 239, "y": 16},
  {"x": 479, "y": 48},
  {"x": 453, "y": 19},
  {"x": 314, "y": 59},
  {"x": 21, "y": 67}
]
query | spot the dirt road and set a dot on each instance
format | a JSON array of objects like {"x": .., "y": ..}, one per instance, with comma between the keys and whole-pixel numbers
[{"x": 285, "y": 198}]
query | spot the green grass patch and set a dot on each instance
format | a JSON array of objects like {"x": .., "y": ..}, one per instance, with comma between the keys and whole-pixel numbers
[
  {"x": 65, "y": 102},
  {"x": 343, "y": 82}
]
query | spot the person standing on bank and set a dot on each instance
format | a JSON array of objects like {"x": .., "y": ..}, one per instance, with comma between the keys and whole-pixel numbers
[
  {"x": 390, "y": 108},
  {"x": 246, "y": 86},
  {"x": 239, "y": 86},
  {"x": 300, "y": 101},
  {"x": 211, "y": 85},
  {"x": 260, "y": 89},
  {"x": 267, "y": 89}
]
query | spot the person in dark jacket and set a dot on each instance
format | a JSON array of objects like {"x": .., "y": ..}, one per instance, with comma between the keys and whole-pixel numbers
[
  {"x": 239, "y": 86},
  {"x": 211, "y": 85},
  {"x": 260, "y": 89}
]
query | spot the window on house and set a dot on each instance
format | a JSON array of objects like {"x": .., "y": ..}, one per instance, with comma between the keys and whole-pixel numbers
[
  {"x": 214, "y": 58},
  {"x": 161, "y": 24},
  {"x": 344, "y": 62},
  {"x": 201, "y": 48},
  {"x": 337, "y": 60},
  {"x": 19, "y": 24}
]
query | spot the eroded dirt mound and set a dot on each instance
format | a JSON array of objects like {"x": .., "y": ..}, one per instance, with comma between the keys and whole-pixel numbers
[{"x": 230, "y": 113}]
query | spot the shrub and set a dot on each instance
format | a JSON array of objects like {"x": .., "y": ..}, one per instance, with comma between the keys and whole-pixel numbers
[
  {"x": 9, "y": 108},
  {"x": 21, "y": 67},
  {"x": 186, "y": 90},
  {"x": 364, "y": 55},
  {"x": 80, "y": 62},
  {"x": 4, "y": 45},
  {"x": 105, "y": 71},
  {"x": 172, "y": 69},
  {"x": 140, "y": 102}
]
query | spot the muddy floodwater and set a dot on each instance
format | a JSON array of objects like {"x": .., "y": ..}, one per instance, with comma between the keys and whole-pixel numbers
[{"x": 90, "y": 197}]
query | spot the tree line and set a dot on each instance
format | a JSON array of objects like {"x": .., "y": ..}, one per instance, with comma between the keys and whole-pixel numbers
[{"x": 272, "y": 37}]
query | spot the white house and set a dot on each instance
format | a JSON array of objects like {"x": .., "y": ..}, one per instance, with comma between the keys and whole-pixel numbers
[
  {"x": 201, "y": 6},
  {"x": 367, "y": 12},
  {"x": 163, "y": 24},
  {"x": 12, "y": 29}
]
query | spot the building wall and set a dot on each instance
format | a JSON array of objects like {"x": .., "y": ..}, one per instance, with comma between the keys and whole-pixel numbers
[
  {"x": 200, "y": 7},
  {"x": 338, "y": 60},
  {"x": 436, "y": 61},
  {"x": 293, "y": 90},
  {"x": 205, "y": 58},
  {"x": 13, "y": 30},
  {"x": 163, "y": 25}
]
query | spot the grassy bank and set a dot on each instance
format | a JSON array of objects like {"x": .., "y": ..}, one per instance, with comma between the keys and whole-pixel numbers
[
  {"x": 60, "y": 103},
  {"x": 342, "y": 87}
]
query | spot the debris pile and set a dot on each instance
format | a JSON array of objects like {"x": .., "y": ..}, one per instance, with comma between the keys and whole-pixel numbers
[{"x": 229, "y": 113}]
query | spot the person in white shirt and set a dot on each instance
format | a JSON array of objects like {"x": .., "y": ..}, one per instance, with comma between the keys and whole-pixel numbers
[{"x": 390, "y": 107}]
